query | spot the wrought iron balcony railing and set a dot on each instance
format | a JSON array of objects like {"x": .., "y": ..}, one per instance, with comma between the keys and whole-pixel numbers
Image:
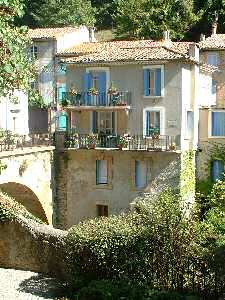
[
  {"x": 136, "y": 142},
  {"x": 9, "y": 141},
  {"x": 86, "y": 98}
]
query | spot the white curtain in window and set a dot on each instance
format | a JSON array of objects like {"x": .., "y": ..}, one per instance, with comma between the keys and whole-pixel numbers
[{"x": 141, "y": 173}]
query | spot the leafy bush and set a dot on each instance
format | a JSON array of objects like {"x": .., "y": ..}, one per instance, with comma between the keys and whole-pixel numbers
[{"x": 160, "y": 246}]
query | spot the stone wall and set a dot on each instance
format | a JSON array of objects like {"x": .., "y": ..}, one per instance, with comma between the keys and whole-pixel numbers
[
  {"x": 27, "y": 245},
  {"x": 77, "y": 194}
]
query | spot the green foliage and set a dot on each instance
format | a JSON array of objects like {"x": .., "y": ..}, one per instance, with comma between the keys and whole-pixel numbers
[
  {"x": 35, "y": 99},
  {"x": 159, "y": 246},
  {"x": 59, "y": 13},
  {"x": 150, "y": 246},
  {"x": 148, "y": 19},
  {"x": 3, "y": 166},
  {"x": 15, "y": 69}
]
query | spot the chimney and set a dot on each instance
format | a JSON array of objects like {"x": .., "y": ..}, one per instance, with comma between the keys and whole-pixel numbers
[
  {"x": 92, "y": 38},
  {"x": 194, "y": 51},
  {"x": 166, "y": 38},
  {"x": 202, "y": 37},
  {"x": 215, "y": 24}
]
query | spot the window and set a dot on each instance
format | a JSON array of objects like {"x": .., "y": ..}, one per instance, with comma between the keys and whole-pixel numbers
[
  {"x": 102, "y": 210},
  {"x": 96, "y": 80},
  {"x": 153, "y": 81},
  {"x": 61, "y": 92},
  {"x": 212, "y": 59},
  {"x": 190, "y": 124},
  {"x": 141, "y": 172},
  {"x": 214, "y": 87},
  {"x": 217, "y": 170},
  {"x": 152, "y": 122},
  {"x": 103, "y": 122},
  {"x": 33, "y": 52},
  {"x": 218, "y": 123},
  {"x": 101, "y": 172}
]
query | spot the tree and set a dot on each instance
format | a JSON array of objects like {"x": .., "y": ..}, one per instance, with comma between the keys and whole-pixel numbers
[
  {"x": 47, "y": 13},
  {"x": 105, "y": 11},
  {"x": 15, "y": 68},
  {"x": 149, "y": 18}
]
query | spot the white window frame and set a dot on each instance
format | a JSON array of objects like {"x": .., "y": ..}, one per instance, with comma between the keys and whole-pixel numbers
[
  {"x": 107, "y": 168},
  {"x": 188, "y": 137},
  {"x": 210, "y": 124},
  {"x": 215, "y": 54},
  {"x": 162, "y": 118},
  {"x": 152, "y": 67},
  {"x": 101, "y": 69},
  {"x": 32, "y": 52},
  {"x": 147, "y": 174}
]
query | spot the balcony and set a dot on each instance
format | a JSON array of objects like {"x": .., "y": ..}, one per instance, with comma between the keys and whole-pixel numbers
[
  {"x": 87, "y": 99},
  {"x": 136, "y": 142}
]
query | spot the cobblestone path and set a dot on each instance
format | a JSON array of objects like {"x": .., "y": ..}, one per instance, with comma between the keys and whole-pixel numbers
[{"x": 24, "y": 285}]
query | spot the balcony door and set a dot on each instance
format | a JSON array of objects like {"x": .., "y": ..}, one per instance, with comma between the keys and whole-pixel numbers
[
  {"x": 95, "y": 86},
  {"x": 104, "y": 122}
]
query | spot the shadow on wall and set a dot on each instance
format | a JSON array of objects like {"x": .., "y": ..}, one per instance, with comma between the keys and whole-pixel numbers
[{"x": 26, "y": 197}]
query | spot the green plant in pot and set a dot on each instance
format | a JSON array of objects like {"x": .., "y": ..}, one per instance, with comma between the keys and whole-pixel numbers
[
  {"x": 123, "y": 141},
  {"x": 92, "y": 140}
]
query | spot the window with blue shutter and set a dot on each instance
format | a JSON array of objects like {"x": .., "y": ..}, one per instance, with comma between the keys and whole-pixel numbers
[
  {"x": 217, "y": 170},
  {"x": 153, "y": 82},
  {"x": 63, "y": 121},
  {"x": 218, "y": 123},
  {"x": 152, "y": 122},
  {"x": 62, "y": 92},
  {"x": 102, "y": 87},
  {"x": 87, "y": 85}
]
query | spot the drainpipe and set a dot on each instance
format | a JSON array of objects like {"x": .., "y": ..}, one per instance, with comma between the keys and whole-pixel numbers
[{"x": 92, "y": 38}]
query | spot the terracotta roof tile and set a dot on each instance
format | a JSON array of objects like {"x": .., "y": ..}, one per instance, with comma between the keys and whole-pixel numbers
[
  {"x": 119, "y": 51},
  {"x": 50, "y": 33},
  {"x": 216, "y": 41}
]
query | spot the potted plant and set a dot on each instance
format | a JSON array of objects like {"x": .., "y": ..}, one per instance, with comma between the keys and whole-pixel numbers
[
  {"x": 91, "y": 140},
  {"x": 93, "y": 91},
  {"x": 112, "y": 90},
  {"x": 123, "y": 141},
  {"x": 73, "y": 91},
  {"x": 173, "y": 146}
]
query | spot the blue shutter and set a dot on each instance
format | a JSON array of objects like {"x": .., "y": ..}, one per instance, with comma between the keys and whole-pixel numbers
[
  {"x": 218, "y": 123},
  {"x": 87, "y": 86},
  {"x": 158, "y": 83},
  {"x": 147, "y": 129},
  {"x": 63, "y": 121},
  {"x": 102, "y": 88},
  {"x": 62, "y": 92},
  {"x": 146, "y": 83},
  {"x": 97, "y": 171},
  {"x": 217, "y": 170},
  {"x": 94, "y": 122}
]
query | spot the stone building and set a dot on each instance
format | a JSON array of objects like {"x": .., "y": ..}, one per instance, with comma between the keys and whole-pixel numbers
[
  {"x": 137, "y": 104},
  {"x": 212, "y": 114}
]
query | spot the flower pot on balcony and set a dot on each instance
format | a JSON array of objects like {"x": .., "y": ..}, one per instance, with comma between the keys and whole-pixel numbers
[
  {"x": 92, "y": 146},
  {"x": 172, "y": 146},
  {"x": 120, "y": 146}
]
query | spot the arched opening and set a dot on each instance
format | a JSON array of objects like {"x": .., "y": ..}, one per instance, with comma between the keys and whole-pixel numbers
[{"x": 26, "y": 197}]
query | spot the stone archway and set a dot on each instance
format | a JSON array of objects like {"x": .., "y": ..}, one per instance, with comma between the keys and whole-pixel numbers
[{"x": 26, "y": 197}]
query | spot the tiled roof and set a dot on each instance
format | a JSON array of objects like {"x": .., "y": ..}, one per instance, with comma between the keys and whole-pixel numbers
[
  {"x": 50, "y": 33},
  {"x": 216, "y": 41},
  {"x": 124, "y": 51}
]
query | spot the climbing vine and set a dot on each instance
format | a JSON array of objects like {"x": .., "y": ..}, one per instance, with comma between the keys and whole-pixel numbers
[
  {"x": 3, "y": 166},
  {"x": 187, "y": 174}
]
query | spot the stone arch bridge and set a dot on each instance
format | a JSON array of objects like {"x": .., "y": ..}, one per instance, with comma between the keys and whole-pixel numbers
[{"x": 28, "y": 177}]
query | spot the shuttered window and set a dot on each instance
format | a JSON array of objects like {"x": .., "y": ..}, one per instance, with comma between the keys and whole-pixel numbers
[
  {"x": 152, "y": 122},
  {"x": 217, "y": 170},
  {"x": 141, "y": 173},
  {"x": 218, "y": 123},
  {"x": 101, "y": 172},
  {"x": 153, "y": 82}
]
